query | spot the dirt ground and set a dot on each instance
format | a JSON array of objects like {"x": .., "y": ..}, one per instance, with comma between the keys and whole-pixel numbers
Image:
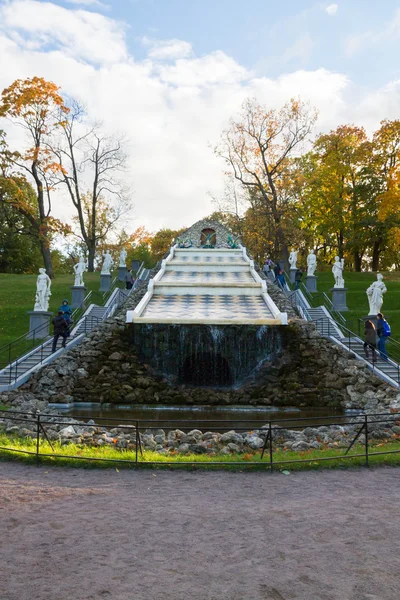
[{"x": 133, "y": 535}]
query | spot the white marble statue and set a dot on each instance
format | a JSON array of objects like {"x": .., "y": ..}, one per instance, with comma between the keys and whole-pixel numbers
[
  {"x": 79, "y": 270},
  {"x": 375, "y": 295},
  {"x": 337, "y": 270},
  {"x": 311, "y": 264},
  {"x": 107, "y": 264},
  {"x": 293, "y": 258},
  {"x": 43, "y": 284},
  {"x": 122, "y": 258}
]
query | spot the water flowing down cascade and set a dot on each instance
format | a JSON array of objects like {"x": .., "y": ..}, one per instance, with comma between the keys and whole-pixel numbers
[{"x": 206, "y": 355}]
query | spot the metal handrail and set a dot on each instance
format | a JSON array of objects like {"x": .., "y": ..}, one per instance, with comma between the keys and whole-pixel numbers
[
  {"x": 360, "y": 424},
  {"x": 13, "y": 366},
  {"x": 352, "y": 336}
]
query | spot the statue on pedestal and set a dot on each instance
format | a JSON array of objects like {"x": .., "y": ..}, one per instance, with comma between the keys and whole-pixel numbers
[
  {"x": 311, "y": 264},
  {"x": 122, "y": 258},
  {"x": 337, "y": 270},
  {"x": 43, "y": 284},
  {"x": 107, "y": 264},
  {"x": 79, "y": 270},
  {"x": 293, "y": 258},
  {"x": 375, "y": 295}
]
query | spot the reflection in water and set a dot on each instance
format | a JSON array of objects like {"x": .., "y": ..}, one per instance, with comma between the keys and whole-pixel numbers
[{"x": 205, "y": 417}]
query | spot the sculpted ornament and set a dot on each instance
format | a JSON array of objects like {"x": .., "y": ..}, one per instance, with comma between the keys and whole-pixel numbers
[
  {"x": 79, "y": 270},
  {"x": 122, "y": 258},
  {"x": 337, "y": 270},
  {"x": 107, "y": 264},
  {"x": 375, "y": 295},
  {"x": 311, "y": 264},
  {"x": 293, "y": 258},
  {"x": 43, "y": 284}
]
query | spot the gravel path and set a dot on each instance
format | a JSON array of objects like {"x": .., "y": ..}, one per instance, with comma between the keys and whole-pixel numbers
[{"x": 160, "y": 535}]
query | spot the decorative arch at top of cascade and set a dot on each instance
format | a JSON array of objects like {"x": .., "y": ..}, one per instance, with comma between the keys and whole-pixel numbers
[
  {"x": 207, "y": 278},
  {"x": 207, "y": 234}
]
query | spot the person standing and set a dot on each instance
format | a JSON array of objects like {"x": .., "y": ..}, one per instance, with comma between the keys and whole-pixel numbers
[
  {"x": 370, "y": 339},
  {"x": 281, "y": 279},
  {"x": 297, "y": 278},
  {"x": 67, "y": 313},
  {"x": 128, "y": 279},
  {"x": 383, "y": 331},
  {"x": 60, "y": 330}
]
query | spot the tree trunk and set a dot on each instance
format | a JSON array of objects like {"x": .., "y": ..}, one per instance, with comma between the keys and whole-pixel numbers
[
  {"x": 340, "y": 243},
  {"x": 44, "y": 237},
  {"x": 46, "y": 253},
  {"x": 91, "y": 255},
  {"x": 357, "y": 261},
  {"x": 376, "y": 252}
]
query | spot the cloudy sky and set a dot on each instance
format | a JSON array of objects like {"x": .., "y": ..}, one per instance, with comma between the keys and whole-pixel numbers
[{"x": 170, "y": 73}]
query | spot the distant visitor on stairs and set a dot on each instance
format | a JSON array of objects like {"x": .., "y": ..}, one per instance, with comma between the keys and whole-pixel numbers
[{"x": 60, "y": 330}]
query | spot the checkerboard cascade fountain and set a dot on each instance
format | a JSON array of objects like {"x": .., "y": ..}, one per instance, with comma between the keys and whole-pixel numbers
[{"x": 207, "y": 318}]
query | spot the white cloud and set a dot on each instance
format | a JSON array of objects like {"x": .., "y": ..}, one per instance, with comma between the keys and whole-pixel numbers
[
  {"x": 331, "y": 9},
  {"x": 301, "y": 49},
  {"x": 169, "y": 49},
  {"x": 95, "y": 3},
  {"x": 368, "y": 39},
  {"x": 170, "y": 111},
  {"x": 78, "y": 33}
]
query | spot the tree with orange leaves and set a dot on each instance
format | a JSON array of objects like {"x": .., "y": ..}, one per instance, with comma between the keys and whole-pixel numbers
[
  {"x": 258, "y": 149},
  {"x": 35, "y": 105}
]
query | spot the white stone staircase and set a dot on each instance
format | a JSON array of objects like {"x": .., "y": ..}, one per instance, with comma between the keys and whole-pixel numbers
[
  {"x": 338, "y": 333},
  {"x": 207, "y": 286},
  {"x": 18, "y": 371}
]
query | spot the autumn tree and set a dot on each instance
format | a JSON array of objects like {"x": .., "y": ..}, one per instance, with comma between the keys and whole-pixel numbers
[
  {"x": 258, "y": 149},
  {"x": 386, "y": 152},
  {"x": 345, "y": 185},
  {"x": 88, "y": 156},
  {"x": 163, "y": 240},
  {"x": 139, "y": 247},
  {"x": 37, "y": 107}
]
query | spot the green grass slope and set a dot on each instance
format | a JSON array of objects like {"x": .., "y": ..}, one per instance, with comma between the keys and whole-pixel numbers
[
  {"x": 17, "y": 296},
  {"x": 357, "y": 301}
]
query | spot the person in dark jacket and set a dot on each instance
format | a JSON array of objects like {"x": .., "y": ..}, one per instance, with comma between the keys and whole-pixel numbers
[
  {"x": 67, "y": 314},
  {"x": 380, "y": 330},
  {"x": 370, "y": 339},
  {"x": 129, "y": 280},
  {"x": 60, "y": 330},
  {"x": 297, "y": 278}
]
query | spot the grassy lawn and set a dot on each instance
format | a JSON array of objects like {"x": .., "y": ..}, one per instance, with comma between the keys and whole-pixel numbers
[
  {"x": 357, "y": 300},
  {"x": 17, "y": 296},
  {"x": 78, "y": 455}
]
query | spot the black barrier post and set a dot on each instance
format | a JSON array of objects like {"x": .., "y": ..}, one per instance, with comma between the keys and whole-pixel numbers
[
  {"x": 271, "y": 466},
  {"x": 136, "y": 444},
  {"x": 366, "y": 441},
  {"x": 37, "y": 435}
]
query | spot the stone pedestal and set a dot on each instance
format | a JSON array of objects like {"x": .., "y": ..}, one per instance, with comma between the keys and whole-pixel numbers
[
  {"x": 311, "y": 283},
  {"x": 121, "y": 273},
  {"x": 339, "y": 299},
  {"x": 292, "y": 275},
  {"x": 105, "y": 282},
  {"x": 78, "y": 296},
  {"x": 39, "y": 324}
]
